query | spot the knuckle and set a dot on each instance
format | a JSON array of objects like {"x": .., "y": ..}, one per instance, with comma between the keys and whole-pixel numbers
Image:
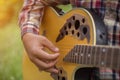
[
  {"x": 31, "y": 58},
  {"x": 47, "y": 66},
  {"x": 50, "y": 65},
  {"x": 34, "y": 51}
]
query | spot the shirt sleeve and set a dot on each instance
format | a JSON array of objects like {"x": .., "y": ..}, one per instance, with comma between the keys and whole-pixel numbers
[{"x": 30, "y": 16}]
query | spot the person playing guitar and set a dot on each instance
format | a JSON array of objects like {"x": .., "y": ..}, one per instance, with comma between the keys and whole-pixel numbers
[{"x": 30, "y": 19}]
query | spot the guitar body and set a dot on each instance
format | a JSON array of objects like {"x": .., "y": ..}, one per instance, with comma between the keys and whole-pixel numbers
[{"x": 64, "y": 32}]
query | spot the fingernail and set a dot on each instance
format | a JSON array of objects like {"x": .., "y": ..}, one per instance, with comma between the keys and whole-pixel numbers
[{"x": 56, "y": 49}]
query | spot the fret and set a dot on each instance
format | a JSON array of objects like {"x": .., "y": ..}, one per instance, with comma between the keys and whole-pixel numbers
[
  {"x": 84, "y": 54},
  {"x": 118, "y": 63},
  {"x": 69, "y": 56},
  {"x": 99, "y": 55},
  {"x": 79, "y": 52},
  {"x": 73, "y": 58},
  {"x": 111, "y": 64},
  {"x": 88, "y": 55},
  {"x": 97, "y": 58},
  {"x": 73, "y": 55},
  {"x": 66, "y": 58},
  {"x": 80, "y": 48},
  {"x": 103, "y": 57},
  {"x": 93, "y": 57},
  {"x": 109, "y": 57},
  {"x": 87, "y": 52},
  {"x": 90, "y": 58},
  {"x": 106, "y": 54},
  {"x": 76, "y": 54},
  {"x": 115, "y": 58}
]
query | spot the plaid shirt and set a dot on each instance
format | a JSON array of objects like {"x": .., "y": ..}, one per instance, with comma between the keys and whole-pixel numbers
[{"x": 33, "y": 10}]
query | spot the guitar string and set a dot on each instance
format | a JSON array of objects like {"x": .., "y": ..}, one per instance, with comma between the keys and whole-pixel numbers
[
  {"x": 69, "y": 45},
  {"x": 67, "y": 48}
]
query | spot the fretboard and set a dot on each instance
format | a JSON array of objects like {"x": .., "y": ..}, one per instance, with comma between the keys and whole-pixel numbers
[{"x": 98, "y": 56}]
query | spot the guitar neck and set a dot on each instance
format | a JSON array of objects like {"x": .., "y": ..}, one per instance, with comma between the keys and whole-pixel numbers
[{"x": 98, "y": 56}]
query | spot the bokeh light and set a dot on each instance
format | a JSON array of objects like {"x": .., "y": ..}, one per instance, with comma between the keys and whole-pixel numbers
[
  {"x": 7, "y": 11},
  {"x": 11, "y": 48}
]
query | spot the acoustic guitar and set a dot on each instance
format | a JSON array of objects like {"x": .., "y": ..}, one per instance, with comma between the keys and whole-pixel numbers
[{"x": 81, "y": 37}]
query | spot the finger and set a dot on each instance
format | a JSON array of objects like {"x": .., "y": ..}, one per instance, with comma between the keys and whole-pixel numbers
[
  {"x": 50, "y": 45},
  {"x": 52, "y": 70},
  {"x": 42, "y": 65},
  {"x": 54, "y": 75},
  {"x": 41, "y": 54}
]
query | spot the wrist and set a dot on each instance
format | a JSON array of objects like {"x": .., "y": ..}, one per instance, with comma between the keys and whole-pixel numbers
[{"x": 28, "y": 36}]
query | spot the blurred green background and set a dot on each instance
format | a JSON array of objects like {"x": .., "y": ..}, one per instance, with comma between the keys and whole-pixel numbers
[{"x": 11, "y": 47}]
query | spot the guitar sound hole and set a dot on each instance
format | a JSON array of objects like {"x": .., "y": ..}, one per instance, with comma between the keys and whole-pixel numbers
[
  {"x": 78, "y": 34},
  {"x": 69, "y": 25},
  {"x": 84, "y": 30},
  {"x": 60, "y": 71},
  {"x": 63, "y": 78},
  {"x": 58, "y": 77},
  {"x": 83, "y": 20},
  {"x": 77, "y": 24},
  {"x": 65, "y": 27},
  {"x": 87, "y": 73},
  {"x": 62, "y": 34},
  {"x": 73, "y": 32},
  {"x": 66, "y": 32},
  {"x": 73, "y": 17}
]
